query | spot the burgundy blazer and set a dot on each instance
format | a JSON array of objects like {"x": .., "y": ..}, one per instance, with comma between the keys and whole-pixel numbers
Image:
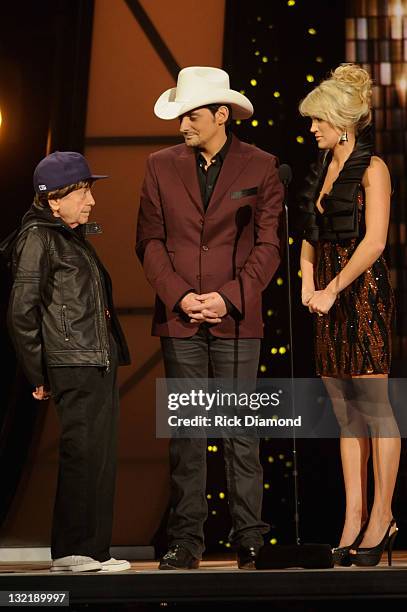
[{"x": 232, "y": 248}]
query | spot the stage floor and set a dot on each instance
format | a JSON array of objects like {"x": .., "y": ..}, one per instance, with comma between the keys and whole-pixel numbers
[{"x": 218, "y": 579}]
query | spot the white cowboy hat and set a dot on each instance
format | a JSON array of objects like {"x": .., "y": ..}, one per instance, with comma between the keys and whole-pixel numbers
[{"x": 198, "y": 86}]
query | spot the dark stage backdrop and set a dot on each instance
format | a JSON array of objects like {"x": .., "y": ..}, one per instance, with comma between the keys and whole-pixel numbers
[
  {"x": 44, "y": 58},
  {"x": 275, "y": 53}
]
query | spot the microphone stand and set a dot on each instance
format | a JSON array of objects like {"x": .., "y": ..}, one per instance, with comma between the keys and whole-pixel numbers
[
  {"x": 286, "y": 178},
  {"x": 312, "y": 556}
]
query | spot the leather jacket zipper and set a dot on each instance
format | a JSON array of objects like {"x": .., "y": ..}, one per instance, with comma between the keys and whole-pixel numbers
[
  {"x": 64, "y": 322},
  {"x": 101, "y": 311}
]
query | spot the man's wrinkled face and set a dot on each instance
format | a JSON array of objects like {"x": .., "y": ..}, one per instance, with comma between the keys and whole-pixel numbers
[
  {"x": 75, "y": 207},
  {"x": 199, "y": 126}
]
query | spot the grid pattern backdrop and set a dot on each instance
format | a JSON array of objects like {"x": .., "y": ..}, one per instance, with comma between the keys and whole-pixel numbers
[{"x": 376, "y": 38}]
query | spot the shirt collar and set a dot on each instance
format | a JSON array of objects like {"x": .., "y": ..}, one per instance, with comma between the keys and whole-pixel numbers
[{"x": 220, "y": 154}]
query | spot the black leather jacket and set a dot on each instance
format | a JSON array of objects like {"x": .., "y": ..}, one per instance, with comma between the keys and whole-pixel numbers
[{"x": 57, "y": 310}]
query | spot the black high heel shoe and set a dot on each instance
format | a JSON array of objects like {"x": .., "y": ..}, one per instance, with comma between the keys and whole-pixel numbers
[
  {"x": 340, "y": 554},
  {"x": 371, "y": 556}
]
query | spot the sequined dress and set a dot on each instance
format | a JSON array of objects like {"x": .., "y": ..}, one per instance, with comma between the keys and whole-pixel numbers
[{"x": 354, "y": 338}]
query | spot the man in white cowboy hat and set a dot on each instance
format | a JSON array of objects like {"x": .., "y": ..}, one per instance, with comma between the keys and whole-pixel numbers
[{"x": 207, "y": 238}]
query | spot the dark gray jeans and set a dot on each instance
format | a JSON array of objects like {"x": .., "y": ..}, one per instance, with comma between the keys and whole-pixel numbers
[{"x": 192, "y": 358}]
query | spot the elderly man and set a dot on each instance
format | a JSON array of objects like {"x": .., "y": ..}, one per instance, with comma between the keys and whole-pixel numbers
[
  {"x": 207, "y": 238},
  {"x": 69, "y": 342}
]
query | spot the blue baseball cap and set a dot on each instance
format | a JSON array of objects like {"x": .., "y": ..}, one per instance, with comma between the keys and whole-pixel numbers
[{"x": 60, "y": 169}]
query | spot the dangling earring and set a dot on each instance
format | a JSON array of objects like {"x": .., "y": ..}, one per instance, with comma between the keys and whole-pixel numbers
[{"x": 344, "y": 137}]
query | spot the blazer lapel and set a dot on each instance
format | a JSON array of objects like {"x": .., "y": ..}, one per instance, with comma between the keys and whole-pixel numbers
[
  {"x": 186, "y": 168},
  {"x": 232, "y": 167}
]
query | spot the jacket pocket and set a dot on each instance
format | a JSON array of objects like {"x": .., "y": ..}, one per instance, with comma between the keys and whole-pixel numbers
[
  {"x": 244, "y": 193},
  {"x": 64, "y": 322}
]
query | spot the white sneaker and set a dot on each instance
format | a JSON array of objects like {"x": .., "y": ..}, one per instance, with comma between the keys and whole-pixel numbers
[
  {"x": 75, "y": 563},
  {"x": 115, "y": 565}
]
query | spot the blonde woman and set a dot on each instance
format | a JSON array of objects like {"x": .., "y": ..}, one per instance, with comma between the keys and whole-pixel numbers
[{"x": 346, "y": 284}]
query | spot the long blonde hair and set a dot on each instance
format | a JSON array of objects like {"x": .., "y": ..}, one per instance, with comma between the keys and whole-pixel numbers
[{"x": 343, "y": 100}]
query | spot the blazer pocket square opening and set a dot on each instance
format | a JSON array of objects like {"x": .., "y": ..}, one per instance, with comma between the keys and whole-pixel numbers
[{"x": 243, "y": 193}]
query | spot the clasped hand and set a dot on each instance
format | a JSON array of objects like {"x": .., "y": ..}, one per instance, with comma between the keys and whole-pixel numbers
[
  {"x": 320, "y": 301},
  {"x": 209, "y": 307}
]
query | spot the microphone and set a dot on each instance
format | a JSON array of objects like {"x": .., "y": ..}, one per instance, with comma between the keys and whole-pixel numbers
[
  {"x": 308, "y": 556},
  {"x": 285, "y": 173}
]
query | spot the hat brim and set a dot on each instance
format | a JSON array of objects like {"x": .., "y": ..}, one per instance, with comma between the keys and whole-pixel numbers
[
  {"x": 96, "y": 177},
  {"x": 167, "y": 107}
]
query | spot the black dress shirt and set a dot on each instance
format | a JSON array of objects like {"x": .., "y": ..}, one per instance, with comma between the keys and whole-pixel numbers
[
  {"x": 207, "y": 178},
  {"x": 207, "y": 181}
]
